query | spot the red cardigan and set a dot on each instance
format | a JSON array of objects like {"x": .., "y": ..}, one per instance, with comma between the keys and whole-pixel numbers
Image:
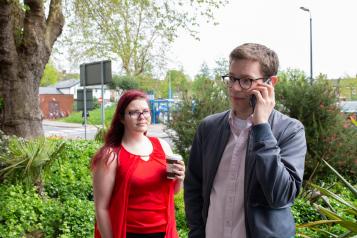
[{"x": 119, "y": 201}]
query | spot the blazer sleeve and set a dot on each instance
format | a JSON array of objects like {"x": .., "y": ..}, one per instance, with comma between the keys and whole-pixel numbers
[
  {"x": 279, "y": 166},
  {"x": 193, "y": 188}
]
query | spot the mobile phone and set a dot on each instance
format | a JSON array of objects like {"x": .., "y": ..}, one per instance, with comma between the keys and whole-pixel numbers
[
  {"x": 253, "y": 98},
  {"x": 253, "y": 101}
]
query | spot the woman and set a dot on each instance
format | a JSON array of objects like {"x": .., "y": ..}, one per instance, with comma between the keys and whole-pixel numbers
[{"x": 132, "y": 196}]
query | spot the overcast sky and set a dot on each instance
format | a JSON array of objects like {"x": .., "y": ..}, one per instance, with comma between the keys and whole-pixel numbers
[{"x": 282, "y": 26}]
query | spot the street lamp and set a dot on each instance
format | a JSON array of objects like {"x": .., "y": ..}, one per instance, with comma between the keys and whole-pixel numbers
[{"x": 308, "y": 10}]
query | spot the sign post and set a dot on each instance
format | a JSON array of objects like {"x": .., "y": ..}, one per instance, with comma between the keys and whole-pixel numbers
[{"x": 96, "y": 73}]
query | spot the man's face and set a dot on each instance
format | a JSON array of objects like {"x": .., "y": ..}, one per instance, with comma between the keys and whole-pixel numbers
[{"x": 240, "y": 97}]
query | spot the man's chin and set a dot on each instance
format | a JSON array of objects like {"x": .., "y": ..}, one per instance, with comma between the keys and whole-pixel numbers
[{"x": 240, "y": 105}]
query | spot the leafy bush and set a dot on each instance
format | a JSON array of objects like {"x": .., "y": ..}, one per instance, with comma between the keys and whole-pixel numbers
[
  {"x": 209, "y": 97},
  {"x": 303, "y": 212},
  {"x": 94, "y": 116},
  {"x": 315, "y": 105},
  {"x": 78, "y": 218},
  {"x": 72, "y": 178},
  {"x": 180, "y": 215},
  {"x": 20, "y": 211},
  {"x": 25, "y": 213},
  {"x": 28, "y": 160},
  {"x": 66, "y": 208},
  {"x": 337, "y": 205}
]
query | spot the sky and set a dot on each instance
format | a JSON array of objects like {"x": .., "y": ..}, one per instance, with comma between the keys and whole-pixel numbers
[
  {"x": 282, "y": 26},
  {"x": 279, "y": 24}
]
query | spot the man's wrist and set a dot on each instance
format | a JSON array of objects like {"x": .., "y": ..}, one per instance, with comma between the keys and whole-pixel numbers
[{"x": 261, "y": 132}]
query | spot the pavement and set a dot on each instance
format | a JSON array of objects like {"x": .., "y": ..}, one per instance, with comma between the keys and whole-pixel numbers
[{"x": 76, "y": 130}]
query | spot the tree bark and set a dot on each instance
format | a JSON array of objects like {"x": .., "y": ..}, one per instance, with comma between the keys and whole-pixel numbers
[{"x": 26, "y": 42}]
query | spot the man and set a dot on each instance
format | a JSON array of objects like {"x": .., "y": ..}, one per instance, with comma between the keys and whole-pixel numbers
[{"x": 246, "y": 164}]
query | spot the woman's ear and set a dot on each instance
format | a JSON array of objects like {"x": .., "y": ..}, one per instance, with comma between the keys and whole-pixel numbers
[{"x": 274, "y": 80}]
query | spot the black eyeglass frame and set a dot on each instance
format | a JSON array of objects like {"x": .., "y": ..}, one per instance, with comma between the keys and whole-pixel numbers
[
  {"x": 230, "y": 84},
  {"x": 137, "y": 114}
]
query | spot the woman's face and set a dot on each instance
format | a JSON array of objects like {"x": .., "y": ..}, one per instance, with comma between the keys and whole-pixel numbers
[{"x": 137, "y": 116}]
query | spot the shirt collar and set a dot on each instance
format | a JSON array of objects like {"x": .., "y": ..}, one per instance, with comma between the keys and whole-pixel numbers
[{"x": 237, "y": 125}]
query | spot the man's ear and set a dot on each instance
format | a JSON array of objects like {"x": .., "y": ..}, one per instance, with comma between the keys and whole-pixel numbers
[{"x": 274, "y": 80}]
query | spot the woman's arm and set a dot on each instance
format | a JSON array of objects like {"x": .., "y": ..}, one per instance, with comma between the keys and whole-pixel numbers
[
  {"x": 178, "y": 168},
  {"x": 103, "y": 183}
]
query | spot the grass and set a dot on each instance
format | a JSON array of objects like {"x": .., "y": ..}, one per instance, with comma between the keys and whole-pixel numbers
[
  {"x": 94, "y": 116},
  {"x": 348, "y": 87}
]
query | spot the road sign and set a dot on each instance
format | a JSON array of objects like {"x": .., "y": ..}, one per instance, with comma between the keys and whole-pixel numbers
[
  {"x": 80, "y": 99},
  {"x": 91, "y": 73}
]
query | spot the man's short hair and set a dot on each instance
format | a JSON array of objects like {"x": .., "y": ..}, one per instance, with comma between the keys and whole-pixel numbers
[{"x": 266, "y": 57}]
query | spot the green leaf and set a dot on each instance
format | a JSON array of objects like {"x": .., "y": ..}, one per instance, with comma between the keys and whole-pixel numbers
[
  {"x": 353, "y": 190},
  {"x": 334, "y": 196}
]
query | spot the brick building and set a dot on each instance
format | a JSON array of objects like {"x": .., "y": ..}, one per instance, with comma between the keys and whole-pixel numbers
[{"x": 55, "y": 104}]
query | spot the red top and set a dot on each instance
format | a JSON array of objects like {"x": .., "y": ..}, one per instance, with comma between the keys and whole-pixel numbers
[
  {"x": 148, "y": 194},
  {"x": 142, "y": 199}
]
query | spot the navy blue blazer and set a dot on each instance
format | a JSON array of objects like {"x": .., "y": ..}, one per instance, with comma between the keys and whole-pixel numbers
[{"x": 273, "y": 174}]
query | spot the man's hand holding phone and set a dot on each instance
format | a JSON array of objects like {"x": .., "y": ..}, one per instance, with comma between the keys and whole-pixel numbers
[{"x": 264, "y": 100}]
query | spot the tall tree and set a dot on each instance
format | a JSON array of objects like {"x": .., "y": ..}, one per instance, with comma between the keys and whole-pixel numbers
[
  {"x": 50, "y": 75},
  {"x": 26, "y": 41},
  {"x": 178, "y": 81},
  {"x": 137, "y": 32}
]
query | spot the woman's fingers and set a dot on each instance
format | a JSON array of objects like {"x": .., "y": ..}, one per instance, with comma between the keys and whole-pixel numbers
[{"x": 179, "y": 170}]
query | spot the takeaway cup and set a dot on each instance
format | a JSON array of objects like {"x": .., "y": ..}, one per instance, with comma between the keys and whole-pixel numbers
[{"x": 170, "y": 161}]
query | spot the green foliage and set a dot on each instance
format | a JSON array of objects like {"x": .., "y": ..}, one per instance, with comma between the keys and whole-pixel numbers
[
  {"x": 25, "y": 213},
  {"x": 221, "y": 68},
  {"x": 208, "y": 97},
  {"x": 303, "y": 212},
  {"x": 315, "y": 106},
  {"x": 346, "y": 87},
  {"x": 136, "y": 32},
  {"x": 28, "y": 160},
  {"x": 94, "y": 116},
  {"x": 100, "y": 135},
  {"x": 65, "y": 210},
  {"x": 179, "y": 84},
  {"x": 122, "y": 83},
  {"x": 2, "y": 103},
  {"x": 4, "y": 147},
  {"x": 180, "y": 215},
  {"x": 71, "y": 178},
  {"x": 78, "y": 218},
  {"x": 20, "y": 211},
  {"x": 337, "y": 205},
  {"x": 149, "y": 84},
  {"x": 50, "y": 75}
]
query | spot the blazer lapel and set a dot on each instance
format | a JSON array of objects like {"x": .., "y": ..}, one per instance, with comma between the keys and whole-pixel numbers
[{"x": 221, "y": 142}]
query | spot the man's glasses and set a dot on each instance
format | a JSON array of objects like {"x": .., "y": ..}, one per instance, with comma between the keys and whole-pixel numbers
[
  {"x": 137, "y": 114},
  {"x": 244, "y": 83}
]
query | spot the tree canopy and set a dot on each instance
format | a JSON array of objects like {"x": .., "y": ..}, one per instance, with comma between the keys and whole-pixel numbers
[
  {"x": 50, "y": 75},
  {"x": 137, "y": 32}
]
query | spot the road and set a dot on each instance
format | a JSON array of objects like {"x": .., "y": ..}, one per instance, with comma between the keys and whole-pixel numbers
[{"x": 77, "y": 131}]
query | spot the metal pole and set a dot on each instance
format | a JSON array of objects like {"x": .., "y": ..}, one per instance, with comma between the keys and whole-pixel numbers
[
  {"x": 170, "y": 92},
  {"x": 170, "y": 96},
  {"x": 311, "y": 72},
  {"x": 85, "y": 102},
  {"x": 102, "y": 82}
]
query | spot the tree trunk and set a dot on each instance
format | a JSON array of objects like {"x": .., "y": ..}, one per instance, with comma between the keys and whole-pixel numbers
[{"x": 26, "y": 41}]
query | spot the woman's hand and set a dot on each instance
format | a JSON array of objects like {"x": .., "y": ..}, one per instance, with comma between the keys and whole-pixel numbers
[{"x": 179, "y": 170}]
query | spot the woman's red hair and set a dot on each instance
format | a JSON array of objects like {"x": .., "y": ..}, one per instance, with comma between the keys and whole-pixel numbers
[{"x": 115, "y": 132}]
